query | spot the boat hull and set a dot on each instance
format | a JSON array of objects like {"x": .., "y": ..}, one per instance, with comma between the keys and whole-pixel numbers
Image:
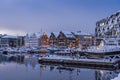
[{"x": 100, "y": 54}]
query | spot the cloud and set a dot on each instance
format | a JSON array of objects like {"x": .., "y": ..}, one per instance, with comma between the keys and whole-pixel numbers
[{"x": 12, "y": 32}]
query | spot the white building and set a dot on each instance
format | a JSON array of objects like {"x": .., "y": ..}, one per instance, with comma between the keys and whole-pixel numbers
[
  {"x": 108, "y": 29},
  {"x": 32, "y": 40}
]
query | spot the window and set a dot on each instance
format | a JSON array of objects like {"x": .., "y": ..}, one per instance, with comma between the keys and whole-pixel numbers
[
  {"x": 118, "y": 19},
  {"x": 103, "y": 29},
  {"x": 113, "y": 21},
  {"x": 117, "y": 14},
  {"x": 98, "y": 30},
  {"x": 102, "y": 24}
]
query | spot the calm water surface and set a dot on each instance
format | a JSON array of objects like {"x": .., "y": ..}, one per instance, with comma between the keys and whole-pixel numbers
[{"x": 28, "y": 68}]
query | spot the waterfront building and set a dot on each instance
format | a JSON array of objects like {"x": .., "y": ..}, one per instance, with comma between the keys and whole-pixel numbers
[
  {"x": 32, "y": 40},
  {"x": 62, "y": 39},
  {"x": 9, "y": 41},
  {"x": 21, "y": 41},
  {"x": 53, "y": 38},
  {"x": 66, "y": 39},
  {"x": 44, "y": 39},
  {"x": 83, "y": 39},
  {"x": 108, "y": 30}
]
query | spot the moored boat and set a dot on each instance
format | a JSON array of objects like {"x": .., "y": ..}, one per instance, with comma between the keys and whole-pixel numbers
[
  {"x": 96, "y": 52},
  {"x": 67, "y": 51},
  {"x": 101, "y": 51},
  {"x": 43, "y": 50},
  {"x": 53, "y": 49}
]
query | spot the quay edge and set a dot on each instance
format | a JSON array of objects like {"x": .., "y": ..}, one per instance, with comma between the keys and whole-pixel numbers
[{"x": 78, "y": 63}]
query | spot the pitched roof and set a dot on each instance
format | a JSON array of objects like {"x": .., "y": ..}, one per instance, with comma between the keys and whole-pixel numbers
[
  {"x": 48, "y": 34},
  {"x": 56, "y": 34},
  {"x": 68, "y": 34},
  {"x": 37, "y": 34}
]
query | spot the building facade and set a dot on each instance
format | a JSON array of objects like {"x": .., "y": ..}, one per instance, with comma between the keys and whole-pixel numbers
[
  {"x": 66, "y": 39},
  {"x": 84, "y": 39},
  {"x": 21, "y": 41},
  {"x": 44, "y": 39},
  {"x": 108, "y": 30},
  {"x": 32, "y": 40},
  {"x": 9, "y": 41},
  {"x": 53, "y": 38},
  {"x": 61, "y": 39}
]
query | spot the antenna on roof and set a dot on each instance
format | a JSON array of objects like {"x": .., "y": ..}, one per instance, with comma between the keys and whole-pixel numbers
[{"x": 41, "y": 30}]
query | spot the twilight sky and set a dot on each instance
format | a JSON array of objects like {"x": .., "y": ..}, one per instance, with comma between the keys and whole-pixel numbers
[{"x": 26, "y": 16}]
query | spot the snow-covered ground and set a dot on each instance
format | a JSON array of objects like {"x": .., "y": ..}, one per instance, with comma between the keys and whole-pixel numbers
[{"x": 117, "y": 78}]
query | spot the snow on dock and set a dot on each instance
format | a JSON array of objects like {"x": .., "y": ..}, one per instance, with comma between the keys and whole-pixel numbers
[
  {"x": 57, "y": 57},
  {"x": 63, "y": 60},
  {"x": 117, "y": 78}
]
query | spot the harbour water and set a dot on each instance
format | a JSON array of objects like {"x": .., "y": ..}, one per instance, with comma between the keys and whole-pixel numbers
[{"x": 28, "y": 68}]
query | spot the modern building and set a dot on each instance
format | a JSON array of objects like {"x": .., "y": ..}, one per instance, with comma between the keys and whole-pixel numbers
[
  {"x": 9, "y": 41},
  {"x": 108, "y": 30}
]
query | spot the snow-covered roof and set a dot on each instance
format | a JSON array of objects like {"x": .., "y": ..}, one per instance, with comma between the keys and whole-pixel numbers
[
  {"x": 37, "y": 34},
  {"x": 28, "y": 34},
  {"x": 56, "y": 34},
  {"x": 48, "y": 34},
  {"x": 9, "y": 36},
  {"x": 68, "y": 34},
  {"x": 81, "y": 33}
]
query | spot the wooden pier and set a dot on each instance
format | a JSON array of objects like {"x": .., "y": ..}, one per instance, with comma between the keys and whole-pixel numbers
[{"x": 109, "y": 65}]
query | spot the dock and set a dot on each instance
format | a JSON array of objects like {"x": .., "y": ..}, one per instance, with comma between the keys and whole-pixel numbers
[{"x": 85, "y": 63}]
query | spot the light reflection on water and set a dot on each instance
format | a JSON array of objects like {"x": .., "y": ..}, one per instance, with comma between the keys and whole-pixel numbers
[{"x": 28, "y": 68}]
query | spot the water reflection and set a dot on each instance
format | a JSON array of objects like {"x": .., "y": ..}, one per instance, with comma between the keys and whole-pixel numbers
[
  {"x": 27, "y": 67},
  {"x": 10, "y": 58},
  {"x": 106, "y": 75}
]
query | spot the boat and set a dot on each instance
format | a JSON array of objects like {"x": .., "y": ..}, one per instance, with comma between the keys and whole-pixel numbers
[
  {"x": 31, "y": 50},
  {"x": 53, "y": 49},
  {"x": 67, "y": 51},
  {"x": 43, "y": 50},
  {"x": 101, "y": 51}
]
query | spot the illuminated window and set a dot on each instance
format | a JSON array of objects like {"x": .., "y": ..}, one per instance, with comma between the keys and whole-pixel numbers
[
  {"x": 44, "y": 33},
  {"x": 102, "y": 24}
]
